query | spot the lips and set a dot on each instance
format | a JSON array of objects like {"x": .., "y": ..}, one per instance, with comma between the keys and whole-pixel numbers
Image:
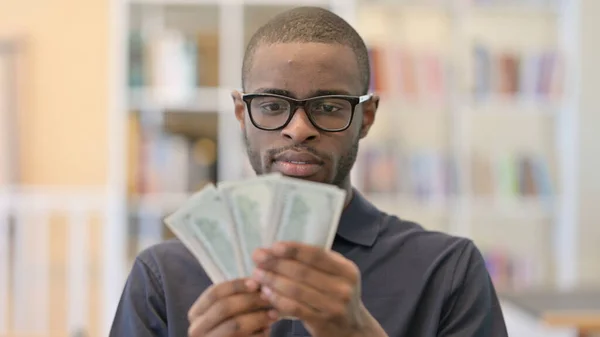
[{"x": 297, "y": 164}]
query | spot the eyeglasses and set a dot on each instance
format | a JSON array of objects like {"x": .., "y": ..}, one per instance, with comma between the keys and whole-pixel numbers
[{"x": 331, "y": 113}]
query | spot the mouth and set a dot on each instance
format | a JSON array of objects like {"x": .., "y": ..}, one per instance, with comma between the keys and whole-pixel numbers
[{"x": 297, "y": 164}]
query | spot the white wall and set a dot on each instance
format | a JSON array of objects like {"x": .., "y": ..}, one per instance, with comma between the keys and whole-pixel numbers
[
  {"x": 522, "y": 324},
  {"x": 589, "y": 140}
]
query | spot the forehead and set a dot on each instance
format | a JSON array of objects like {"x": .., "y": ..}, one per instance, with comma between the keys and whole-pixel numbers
[{"x": 303, "y": 69}]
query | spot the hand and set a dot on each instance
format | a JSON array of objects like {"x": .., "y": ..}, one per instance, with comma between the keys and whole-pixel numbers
[
  {"x": 229, "y": 309},
  {"x": 321, "y": 288}
]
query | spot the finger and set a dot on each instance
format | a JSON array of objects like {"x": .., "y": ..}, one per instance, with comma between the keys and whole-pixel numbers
[
  {"x": 262, "y": 333},
  {"x": 230, "y": 307},
  {"x": 295, "y": 290},
  {"x": 330, "y": 285},
  {"x": 287, "y": 307},
  {"x": 194, "y": 331},
  {"x": 328, "y": 261},
  {"x": 218, "y": 291},
  {"x": 249, "y": 324}
]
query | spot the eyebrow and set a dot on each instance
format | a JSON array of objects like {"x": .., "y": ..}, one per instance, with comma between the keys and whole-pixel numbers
[{"x": 291, "y": 95}]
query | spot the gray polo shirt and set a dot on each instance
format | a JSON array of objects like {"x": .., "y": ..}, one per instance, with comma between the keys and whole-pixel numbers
[{"x": 416, "y": 283}]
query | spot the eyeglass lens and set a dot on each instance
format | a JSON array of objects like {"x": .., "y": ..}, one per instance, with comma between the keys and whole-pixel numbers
[{"x": 327, "y": 113}]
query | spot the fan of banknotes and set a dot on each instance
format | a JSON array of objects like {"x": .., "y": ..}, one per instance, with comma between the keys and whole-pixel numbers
[{"x": 222, "y": 225}]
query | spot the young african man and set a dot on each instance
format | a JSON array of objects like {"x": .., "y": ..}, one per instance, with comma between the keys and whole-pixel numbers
[{"x": 304, "y": 109}]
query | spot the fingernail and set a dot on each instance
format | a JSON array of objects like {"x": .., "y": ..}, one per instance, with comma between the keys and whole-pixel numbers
[
  {"x": 273, "y": 315},
  {"x": 258, "y": 274},
  {"x": 252, "y": 285},
  {"x": 267, "y": 291},
  {"x": 279, "y": 249},
  {"x": 260, "y": 256}
]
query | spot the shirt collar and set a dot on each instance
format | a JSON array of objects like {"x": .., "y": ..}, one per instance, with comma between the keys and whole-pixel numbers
[{"x": 360, "y": 221}]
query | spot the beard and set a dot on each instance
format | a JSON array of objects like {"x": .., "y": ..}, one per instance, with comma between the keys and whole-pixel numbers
[{"x": 341, "y": 170}]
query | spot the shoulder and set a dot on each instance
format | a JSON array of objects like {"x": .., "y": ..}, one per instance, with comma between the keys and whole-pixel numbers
[
  {"x": 170, "y": 251},
  {"x": 452, "y": 258},
  {"x": 170, "y": 258},
  {"x": 421, "y": 240},
  {"x": 163, "y": 283},
  {"x": 431, "y": 252}
]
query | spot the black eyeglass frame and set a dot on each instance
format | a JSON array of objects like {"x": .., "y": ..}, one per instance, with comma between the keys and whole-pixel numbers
[{"x": 297, "y": 103}]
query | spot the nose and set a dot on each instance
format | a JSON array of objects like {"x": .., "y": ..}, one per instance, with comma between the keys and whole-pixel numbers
[{"x": 300, "y": 129}]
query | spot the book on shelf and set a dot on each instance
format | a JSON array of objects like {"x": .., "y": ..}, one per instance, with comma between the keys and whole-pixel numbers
[
  {"x": 415, "y": 76},
  {"x": 173, "y": 63},
  {"x": 161, "y": 162},
  {"x": 423, "y": 175},
  {"x": 512, "y": 176},
  {"x": 529, "y": 75},
  {"x": 510, "y": 271}
]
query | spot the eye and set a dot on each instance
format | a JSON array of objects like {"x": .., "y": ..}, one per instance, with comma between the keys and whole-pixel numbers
[
  {"x": 327, "y": 108},
  {"x": 273, "y": 107}
]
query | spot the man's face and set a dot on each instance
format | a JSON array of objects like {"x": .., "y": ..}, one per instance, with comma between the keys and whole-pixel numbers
[{"x": 304, "y": 70}]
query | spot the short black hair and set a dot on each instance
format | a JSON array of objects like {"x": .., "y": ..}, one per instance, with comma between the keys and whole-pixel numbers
[{"x": 310, "y": 24}]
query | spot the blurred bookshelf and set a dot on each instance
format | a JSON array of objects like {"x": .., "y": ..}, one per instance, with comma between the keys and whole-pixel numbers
[
  {"x": 465, "y": 140},
  {"x": 183, "y": 60},
  {"x": 466, "y": 137}
]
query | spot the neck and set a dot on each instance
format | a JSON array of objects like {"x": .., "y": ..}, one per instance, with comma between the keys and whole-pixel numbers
[{"x": 347, "y": 186}]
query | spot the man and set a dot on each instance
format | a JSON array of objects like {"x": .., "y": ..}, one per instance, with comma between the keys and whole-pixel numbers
[{"x": 303, "y": 111}]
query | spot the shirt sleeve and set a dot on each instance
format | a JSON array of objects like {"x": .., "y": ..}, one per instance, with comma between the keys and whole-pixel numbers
[
  {"x": 472, "y": 308},
  {"x": 141, "y": 308}
]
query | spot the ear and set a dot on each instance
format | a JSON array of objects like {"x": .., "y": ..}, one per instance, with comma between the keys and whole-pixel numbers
[
  {"x": 239, "y": 107},
  {"x": 369, "y": 111}
]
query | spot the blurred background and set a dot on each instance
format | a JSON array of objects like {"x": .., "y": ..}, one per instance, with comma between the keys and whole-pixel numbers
[{"x": 113, "y": 111}]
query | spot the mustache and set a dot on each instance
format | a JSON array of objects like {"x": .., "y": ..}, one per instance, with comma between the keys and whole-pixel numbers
[{"x": 298, "y": 148}]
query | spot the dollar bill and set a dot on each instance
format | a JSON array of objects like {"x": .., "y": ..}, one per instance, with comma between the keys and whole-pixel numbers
[
  {"x": 204, "y": 225},
  {"x": 307, "y": 212},
  {"x": 222, "y": 226},
  {"x": 195, "y": 247},
  {"x": 251, "y": 203}
]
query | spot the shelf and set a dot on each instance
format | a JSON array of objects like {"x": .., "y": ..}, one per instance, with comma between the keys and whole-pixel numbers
[
  {"x": 513, "y": 106},
  {"x": 496, "y": 8},
  {"x": 230, "y": 2},
  {"x": 407, "y": 202},
  {"x": 518, "y": 207},
  {"x": 192, "y": 125},
  {"x": 399, "y": 104},
  {"x": 409, "y": 5},
  {"x": 530, "y": 8},
  {"x": 200, "y": 100}
]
